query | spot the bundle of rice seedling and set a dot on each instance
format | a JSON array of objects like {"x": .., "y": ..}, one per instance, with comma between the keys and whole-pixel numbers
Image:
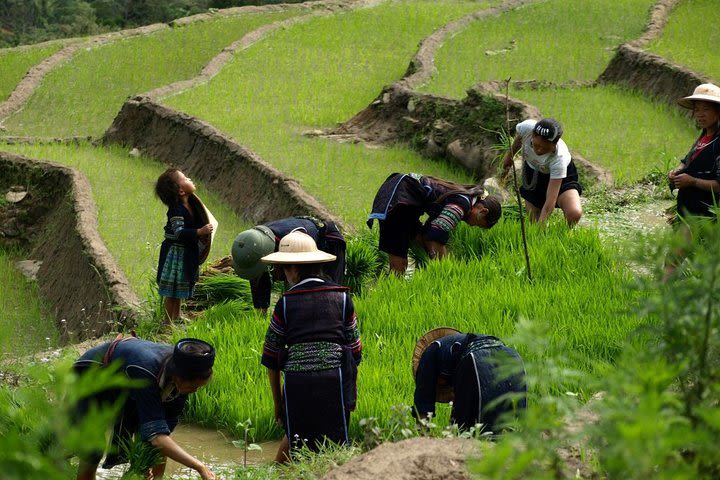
[
  {"x": 362, "y": 262},
  {"x": 212, "y": 289}
]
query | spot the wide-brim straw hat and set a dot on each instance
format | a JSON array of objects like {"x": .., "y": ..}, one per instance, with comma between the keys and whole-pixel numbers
[
  {"x": 443, "y": 393},
  {"x": 707, "y": 92},
  {"x": 298, "y": 248}
]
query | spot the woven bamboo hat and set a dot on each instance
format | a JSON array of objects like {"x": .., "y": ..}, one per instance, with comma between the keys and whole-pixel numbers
[
  {"x": 297, "y": 248},
  {"x": 444, "y": 393},
  {"x": 706, "y": 92}
]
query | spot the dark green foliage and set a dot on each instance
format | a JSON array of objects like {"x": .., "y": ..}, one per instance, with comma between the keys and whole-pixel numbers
[{"x": 363, "y": 262}]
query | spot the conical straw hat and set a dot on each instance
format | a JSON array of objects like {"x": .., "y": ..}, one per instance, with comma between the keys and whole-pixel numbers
[
  {"x": 444, "y": 393},
  {"x": 298, "y": 247}
]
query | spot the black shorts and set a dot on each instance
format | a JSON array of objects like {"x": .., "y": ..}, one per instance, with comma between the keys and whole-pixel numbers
[
  {"x": 536, "y": 195},
  {"x": 399, "y": 230}
]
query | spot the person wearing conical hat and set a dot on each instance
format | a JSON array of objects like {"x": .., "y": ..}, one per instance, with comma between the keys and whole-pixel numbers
[
  {"x": 251, "y": 245},
  {"x": 464, "y": 368},
  {"x": 313, "y": 338},
  {"x": 166, "y": 374},
  {"x": 697, "y": 178}
]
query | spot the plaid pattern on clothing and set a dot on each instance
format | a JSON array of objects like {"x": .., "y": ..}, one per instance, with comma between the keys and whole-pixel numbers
[{"x": 172, "y": 282}]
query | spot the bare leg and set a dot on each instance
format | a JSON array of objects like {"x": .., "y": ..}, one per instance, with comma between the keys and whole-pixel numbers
[
  {"x": 398, "y": 265},
  {"x": 172, "y": 309},
  {"x": 86, "y": 471},
  {"x": 533, "y": 211},
  {"x": 283, "y": 453},
  {"x": 569, "y": 203}
]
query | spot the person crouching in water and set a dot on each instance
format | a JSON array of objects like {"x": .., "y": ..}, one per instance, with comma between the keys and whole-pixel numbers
[
  {"x": 464, "y": 368},
  {"x": 403, "y": 198},
  {"x": 549, "y": 175},
  {"x": 314, "y": 339},
  {"x": 169, "y": 374},
  {"x": 251, "y": 245}
]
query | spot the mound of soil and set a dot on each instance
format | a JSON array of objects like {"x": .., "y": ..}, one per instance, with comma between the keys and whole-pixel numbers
[{"x": 419, "y": 458}]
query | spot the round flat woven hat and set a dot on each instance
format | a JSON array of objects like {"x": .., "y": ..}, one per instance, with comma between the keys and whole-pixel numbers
[
  {"x": 444, "y": 393},
  {"x": 706, "y": 92},
  {"x": 298, "y": 247}
]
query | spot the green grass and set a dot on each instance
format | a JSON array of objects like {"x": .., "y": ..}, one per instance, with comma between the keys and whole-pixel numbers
[
  {"x": 323, "y": 72},
  {"x": 25, "y": 325},
  {"x": 689, "y": 38},
  {"x": 131, "y": 218},
  {"x": 83, "y": 96},
  {"x": 619, "y": 130},
  {"x": 556, "y": 41},
  {"x": 577, "y": 290},
  {"x": 16, "y": 63}
]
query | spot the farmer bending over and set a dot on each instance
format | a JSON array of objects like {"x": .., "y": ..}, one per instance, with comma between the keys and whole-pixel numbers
[
  {"x": 403, "y": 198},
  {"x": 253, "y": 244},
  {"x": 464, "y": 368},
  {"x": 549, "y": 177},
  {"x": 169, "y": 375}
]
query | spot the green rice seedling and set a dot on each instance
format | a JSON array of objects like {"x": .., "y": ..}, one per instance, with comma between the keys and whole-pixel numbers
[
  {"x": 214, "y": 289},
  {"x": 141, "y": 456},
  {"x": 687, "y": 40},
  {"x": 131, "y": 219},
  {"x": 553, "y": 41},
  {"x": 26, "y": 325},
  {"x": 630, "y": 135},
  {"x": 363, "y": 262},
  {"x": 323, "y": 72},
  {"x": 16, "y": 63},
  {"x": 108, "y": 74}
]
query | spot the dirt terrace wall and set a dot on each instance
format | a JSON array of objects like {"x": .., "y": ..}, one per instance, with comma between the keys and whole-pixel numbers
[
  {"x": 78, "y": 278},
  {"x": 239, "y": 176},
  {"x": 649, "y": 73}
]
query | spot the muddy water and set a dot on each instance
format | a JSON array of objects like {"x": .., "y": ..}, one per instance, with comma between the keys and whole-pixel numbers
[
  {"x": 632, "y": 220},
  {"x": 213, "y": 447}
]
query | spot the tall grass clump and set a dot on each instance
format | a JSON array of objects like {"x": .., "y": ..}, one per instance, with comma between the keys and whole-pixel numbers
[
  {"x": 658, "y": 414},
  {"x": 110, "y": 73},
  {"x": 553, "y": 41},
  {"x": 679, "y": 45},
  {"x": 363, "y": 262},
  {"x": 131, "y": 219},
  {"x": 323, "y": 72},
  {"x": 611, "y": 140},
  {"x": 16, "y": 63},
  {"x": 214, "y": 289},
  {"x": 26, "y": 324}
]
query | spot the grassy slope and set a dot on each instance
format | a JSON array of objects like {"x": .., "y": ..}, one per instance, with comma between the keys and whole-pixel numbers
[
  {"x": 130, "y": 218},
  {"x": 556, "y": 41},
  {"x": 16, "y": 63},
  {"x": 25, "y": 327},
  {"x": 690, "y": 38},
  {"x": 628, "y": 134},
  {"x": 315, "y": 75},
  {"x": 83, "y": 96},
  {"x": 485, "y": 295}
]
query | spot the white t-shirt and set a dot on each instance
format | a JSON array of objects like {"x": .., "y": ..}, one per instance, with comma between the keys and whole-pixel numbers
[{"x": 555, "y": 163}]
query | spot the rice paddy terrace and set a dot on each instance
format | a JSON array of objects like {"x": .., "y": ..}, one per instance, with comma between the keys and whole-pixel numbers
[{"x": 230, "y": 97}]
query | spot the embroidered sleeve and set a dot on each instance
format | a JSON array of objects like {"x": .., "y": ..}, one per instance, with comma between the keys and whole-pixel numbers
[
  {"x": 175, "y": 229},
  {"x": 352, "y": 332},
  {"x": 274, "y": 338},
  {"x": 450, "y": 216}
]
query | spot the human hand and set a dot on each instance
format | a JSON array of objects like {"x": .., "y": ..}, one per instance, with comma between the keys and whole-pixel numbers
[
  {"x": 507, "y": 161},
  {"x": 206, "y": 473},
  {"x": 683, "y": 180},
  {"x": 205, "y": 230}
]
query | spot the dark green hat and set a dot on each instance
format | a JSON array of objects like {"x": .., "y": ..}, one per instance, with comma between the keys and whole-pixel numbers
[{"x": 248, "y": 248}]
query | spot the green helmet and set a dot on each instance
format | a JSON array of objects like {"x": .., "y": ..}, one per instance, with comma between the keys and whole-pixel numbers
[{"x": 248, "y": 248}]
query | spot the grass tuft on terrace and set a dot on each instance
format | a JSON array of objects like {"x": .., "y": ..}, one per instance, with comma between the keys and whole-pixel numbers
[
  {"x": 690, "y": 38},
  {"x": 317, "y": 74},
  {"x": 83, "y": 96}
]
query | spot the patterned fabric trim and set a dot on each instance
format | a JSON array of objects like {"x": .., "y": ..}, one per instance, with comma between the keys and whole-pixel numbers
[
  {"x": 172, "y": 278},
  {"x": 313, "y": 356},
  {"x": 481, "y": 344},
  {"x": 176, "y": 225}
]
